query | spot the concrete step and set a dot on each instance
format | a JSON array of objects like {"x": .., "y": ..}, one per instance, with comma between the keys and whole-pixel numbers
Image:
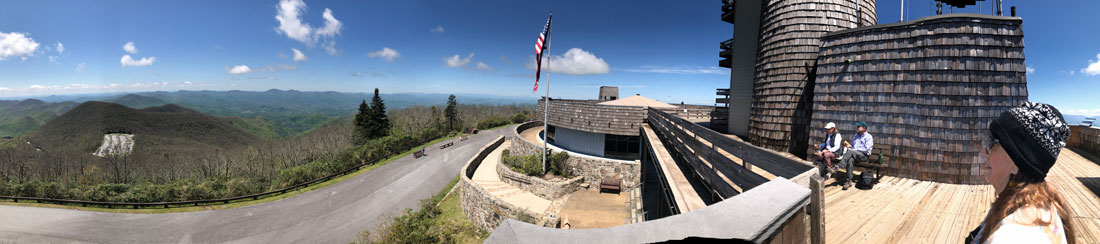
[
  {"x": 513, "y": 193},
  {"x": 506, "y": 192},
  {"x": 494, "y": 187}
]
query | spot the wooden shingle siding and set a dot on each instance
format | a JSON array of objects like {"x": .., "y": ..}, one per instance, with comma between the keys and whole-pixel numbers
[
  {"x": 927, "y": 87},
  {"x": 587, "y": 116},
  {"x": 790, "y": 32},
  {"x": 1084, "y": 138}
]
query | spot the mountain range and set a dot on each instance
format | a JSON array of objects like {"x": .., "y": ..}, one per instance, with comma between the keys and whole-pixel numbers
[{"x": 275, "y": 114}]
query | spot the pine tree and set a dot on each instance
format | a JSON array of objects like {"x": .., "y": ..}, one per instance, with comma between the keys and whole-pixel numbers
[
  {"x": 435, "y": 118},
  {"x": 362, "y": 124},
  {"x": 451, "y": 112},
  {"x": 378, "y": 115}
]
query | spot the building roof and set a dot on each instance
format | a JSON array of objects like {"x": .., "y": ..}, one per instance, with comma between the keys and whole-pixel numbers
[{"x": 639, "y": 101}]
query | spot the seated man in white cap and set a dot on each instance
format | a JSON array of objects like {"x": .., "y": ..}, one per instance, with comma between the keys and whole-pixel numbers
[{"x": 829, "y": 150}]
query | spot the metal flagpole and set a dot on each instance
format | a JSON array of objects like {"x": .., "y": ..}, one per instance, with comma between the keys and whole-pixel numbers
[{"x": 546, "y": 108}]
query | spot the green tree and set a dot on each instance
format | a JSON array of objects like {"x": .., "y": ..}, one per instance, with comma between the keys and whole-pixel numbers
[
  {"x": 451, "y": 112},
  {"x": 363, "y": 124},
  {"x": 435, "y": 118},
  {"x": 381, "y": 123}
]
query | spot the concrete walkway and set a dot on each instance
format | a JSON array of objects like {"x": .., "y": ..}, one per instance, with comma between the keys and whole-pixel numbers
[{"x": 487, "y": 176}]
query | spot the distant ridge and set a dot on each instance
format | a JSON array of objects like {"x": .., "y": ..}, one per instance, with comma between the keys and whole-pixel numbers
[
  {"x": 21, "y": 116},
  {"x": 137, "y": 101},
  {"x": 165, "y": 128}
]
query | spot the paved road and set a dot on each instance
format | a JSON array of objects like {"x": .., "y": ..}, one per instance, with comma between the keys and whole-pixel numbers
[{"x": 334, "y": 214}]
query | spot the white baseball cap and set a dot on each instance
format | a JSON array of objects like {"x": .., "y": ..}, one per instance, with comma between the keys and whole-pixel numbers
[{"x": 830, "y": 125}]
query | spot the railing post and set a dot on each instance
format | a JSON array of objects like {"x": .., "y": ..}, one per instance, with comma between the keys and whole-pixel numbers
[{"x": 817, "y": 211}]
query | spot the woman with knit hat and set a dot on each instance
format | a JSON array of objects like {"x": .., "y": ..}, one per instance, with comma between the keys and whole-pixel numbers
[{"x": 1021, "y": 147}]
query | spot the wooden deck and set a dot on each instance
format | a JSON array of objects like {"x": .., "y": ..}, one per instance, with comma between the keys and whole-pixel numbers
[{"x": 911, "y": 211}]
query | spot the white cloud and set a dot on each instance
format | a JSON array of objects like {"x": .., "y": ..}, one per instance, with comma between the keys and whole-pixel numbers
[
  {"x": 298, "y": 55},
  {"x": 81, "y": 66},
  {"x": 330, "y": 47},
  {"x": 357, "y": 74},
  {"x": 236, "y": 70},
  {"x": 276, "y": 67},
  {"x": 455, "y": 61},
  {"x": 78, "y": 88},
  {"x": 53, "y": 58},
  {"x": 1093, "y": 68},
  {"x": 483, "y": 67},
  {"x": 575, "y": 61},
  {"x": 1030, "y": 70},
  {"x": 127, "y": 61},
  {"x": 1085, "y": 112},
  {"x": 679, "y": 70},
  {"x": 15, "y": 44},
  {"x": 129, "y": 48},
  {"x": 242, "y": 69},
  {"x": 437, "y": 29},
  {"x": 289, "y": 13},
  {"x": 331, "y": 27},
  {"x": 290, "y": 23},
  {"x": 60, "y": 47},
  {"x": 386, "y": 53}
]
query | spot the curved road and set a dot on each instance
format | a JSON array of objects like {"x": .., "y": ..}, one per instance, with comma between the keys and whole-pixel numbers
[{"x": 334, "y": 214}]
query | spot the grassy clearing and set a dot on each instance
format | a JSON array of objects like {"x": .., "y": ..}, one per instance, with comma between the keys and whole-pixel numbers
[
  {"x": 439, "y": 220},
  {"x": 240, "y": 203}
]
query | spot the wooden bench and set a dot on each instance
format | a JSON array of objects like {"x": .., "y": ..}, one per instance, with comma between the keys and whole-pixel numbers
[
  {"x": 610, "y": 184},
  {"x": 875, "y": 164},
  {"x": 446, "y": 145},
  {"x": 419, "y": 153}
]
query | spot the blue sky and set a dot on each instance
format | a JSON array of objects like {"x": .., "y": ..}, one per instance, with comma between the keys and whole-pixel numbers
[{"x": 661, "y": 49}]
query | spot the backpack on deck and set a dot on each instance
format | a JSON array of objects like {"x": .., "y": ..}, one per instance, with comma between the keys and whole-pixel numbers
[{"x": 866, "y": 180}]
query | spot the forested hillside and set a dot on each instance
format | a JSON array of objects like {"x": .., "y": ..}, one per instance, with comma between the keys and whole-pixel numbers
[{"x": 183, "y": 154}]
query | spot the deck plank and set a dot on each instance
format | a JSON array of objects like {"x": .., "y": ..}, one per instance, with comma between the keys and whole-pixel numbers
[{"x": 902, "y": 210}]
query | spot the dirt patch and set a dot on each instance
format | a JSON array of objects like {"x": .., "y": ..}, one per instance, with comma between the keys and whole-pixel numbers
[{"x": 589, "y": 209}]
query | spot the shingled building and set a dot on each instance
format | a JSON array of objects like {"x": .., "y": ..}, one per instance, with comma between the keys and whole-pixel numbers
[{"x": 927, "y": 87}]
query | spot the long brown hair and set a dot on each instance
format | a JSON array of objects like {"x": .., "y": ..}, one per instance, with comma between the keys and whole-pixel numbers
[{"x": 1020, "y": 192}]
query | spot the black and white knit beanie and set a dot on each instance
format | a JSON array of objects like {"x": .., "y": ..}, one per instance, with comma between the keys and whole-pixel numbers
[{"x": 1032, "y": 134}]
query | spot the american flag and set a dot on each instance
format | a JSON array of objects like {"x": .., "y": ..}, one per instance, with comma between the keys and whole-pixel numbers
[{"x": 542, "y": 44}]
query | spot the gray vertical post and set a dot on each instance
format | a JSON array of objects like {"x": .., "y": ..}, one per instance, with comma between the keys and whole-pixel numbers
[
  {"x": 546, "y": 108},
  {"x": 817, "y": 211}
]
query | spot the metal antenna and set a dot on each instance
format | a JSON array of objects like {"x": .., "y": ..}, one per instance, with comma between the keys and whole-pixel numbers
[{"x": 901, "y": 15}]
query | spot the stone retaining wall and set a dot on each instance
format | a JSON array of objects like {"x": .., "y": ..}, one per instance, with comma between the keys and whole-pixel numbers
[
  {"x": 539, "y": 186},
  {"x": 591, "y": 168},
  {"x": 482, "y": 208}
]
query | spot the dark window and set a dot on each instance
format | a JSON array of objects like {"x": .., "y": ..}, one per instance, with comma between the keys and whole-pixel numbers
[{"x": 621, "y": 147}]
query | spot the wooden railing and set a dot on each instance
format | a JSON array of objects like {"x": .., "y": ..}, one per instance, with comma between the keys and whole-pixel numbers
[
  {"x": 685, "y": 138},
  {"x": 664, "y": 188}
]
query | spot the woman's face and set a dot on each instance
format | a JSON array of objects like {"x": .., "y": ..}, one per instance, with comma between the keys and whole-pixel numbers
[{"x": 998, "y": 167}]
